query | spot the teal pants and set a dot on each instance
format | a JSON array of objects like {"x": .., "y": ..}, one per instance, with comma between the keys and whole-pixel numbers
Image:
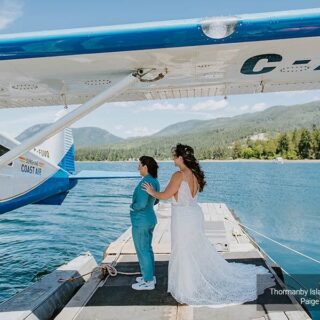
[{"x": 142, "y": 239}]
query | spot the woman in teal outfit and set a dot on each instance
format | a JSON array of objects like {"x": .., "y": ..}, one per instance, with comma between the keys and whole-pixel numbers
[{"x": 144, "y": 220}]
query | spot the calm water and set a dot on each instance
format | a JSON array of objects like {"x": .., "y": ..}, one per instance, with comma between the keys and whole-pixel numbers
[{"x": 281, "y": 201}]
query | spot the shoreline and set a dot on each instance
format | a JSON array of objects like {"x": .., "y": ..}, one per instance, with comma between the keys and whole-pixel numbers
[{"x": 211, "y": 160}]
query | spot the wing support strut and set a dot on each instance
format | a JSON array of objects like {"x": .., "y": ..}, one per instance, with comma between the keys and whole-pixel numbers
[{"x": 70, "y": 118}]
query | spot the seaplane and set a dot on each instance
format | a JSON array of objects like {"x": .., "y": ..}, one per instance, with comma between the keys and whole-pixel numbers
[{"x": 88, "y": 67}]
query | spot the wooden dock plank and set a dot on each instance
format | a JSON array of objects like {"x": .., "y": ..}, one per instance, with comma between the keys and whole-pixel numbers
[
  {"x": 241, "y": 312},
  {"x": 129, "y": 313},
  {"x": 296, "y": 315}
]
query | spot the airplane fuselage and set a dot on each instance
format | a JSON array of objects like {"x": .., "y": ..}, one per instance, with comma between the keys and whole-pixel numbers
[{"x": 33, "y": 178}]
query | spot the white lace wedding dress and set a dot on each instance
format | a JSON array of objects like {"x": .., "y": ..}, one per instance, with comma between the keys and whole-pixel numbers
[{"x": 198, "y": 274}]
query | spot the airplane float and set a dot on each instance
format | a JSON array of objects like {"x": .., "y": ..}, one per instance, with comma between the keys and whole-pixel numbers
[{"x": 218, "y": 56}]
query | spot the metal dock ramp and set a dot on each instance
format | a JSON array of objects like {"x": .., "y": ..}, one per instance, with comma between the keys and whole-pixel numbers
[{"x": 113, "y": 298}]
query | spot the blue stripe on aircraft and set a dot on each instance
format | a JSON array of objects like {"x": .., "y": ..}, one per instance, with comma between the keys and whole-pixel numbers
[
  {"x": 67, "y": 162},
  {"x": 56, "y": 184},
  {"x": 170, "y": 34}
]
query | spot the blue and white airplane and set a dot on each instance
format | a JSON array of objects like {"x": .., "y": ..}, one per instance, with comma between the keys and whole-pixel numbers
[
  {"x": 219, "y": 56},
  {"x": 45, "y": 174}
]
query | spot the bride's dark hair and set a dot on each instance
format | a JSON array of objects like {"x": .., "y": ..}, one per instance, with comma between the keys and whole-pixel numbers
[{"x": 187, "y": 153}]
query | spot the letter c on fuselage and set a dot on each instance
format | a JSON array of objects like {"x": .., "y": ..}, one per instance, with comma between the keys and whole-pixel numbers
[{"x": 249, "y": 65}]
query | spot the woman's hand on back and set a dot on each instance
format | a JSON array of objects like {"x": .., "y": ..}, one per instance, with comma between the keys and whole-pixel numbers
[
  {"x": 169, "y": 191},
  {"x": 147, "y": 187}
]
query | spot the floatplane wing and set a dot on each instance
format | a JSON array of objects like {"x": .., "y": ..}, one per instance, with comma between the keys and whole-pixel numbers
[
  {"x": 92, "y": 174},
  {"x": 267, "y": 52}
]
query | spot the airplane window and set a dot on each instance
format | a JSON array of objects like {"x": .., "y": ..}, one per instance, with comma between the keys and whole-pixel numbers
[{"x": 4, "y": 150}]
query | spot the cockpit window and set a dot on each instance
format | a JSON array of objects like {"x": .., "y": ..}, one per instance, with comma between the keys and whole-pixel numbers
[{"x": 4, "y": 150}]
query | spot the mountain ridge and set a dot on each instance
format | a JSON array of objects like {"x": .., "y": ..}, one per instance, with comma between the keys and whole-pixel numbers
[
  {"x": 83, "y": 137},
  {"x": 202, "y": 133}
]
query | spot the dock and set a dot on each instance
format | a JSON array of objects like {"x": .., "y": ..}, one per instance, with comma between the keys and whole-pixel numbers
[{"x": 111, "y": 297}]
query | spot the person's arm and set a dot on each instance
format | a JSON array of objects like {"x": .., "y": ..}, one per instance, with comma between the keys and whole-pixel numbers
[
  {"x": 141, "y": 200},
  {"x": 170, "y": 191},
  {"x": 157, "y": 188}
]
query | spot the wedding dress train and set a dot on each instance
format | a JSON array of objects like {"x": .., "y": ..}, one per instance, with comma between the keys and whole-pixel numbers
[{"x": 197, "y": 273}]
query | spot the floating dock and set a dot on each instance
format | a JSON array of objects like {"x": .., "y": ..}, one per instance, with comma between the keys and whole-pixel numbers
[{"x": 111, "y": 297}]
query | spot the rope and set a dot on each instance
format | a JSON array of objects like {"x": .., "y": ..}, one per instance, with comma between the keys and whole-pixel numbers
[
  {"x": 106, "y": 269},
  {"x": 277, "y": 242},
  {"x": 285, "y": 271},
  {"x": 280, "y": 244}
]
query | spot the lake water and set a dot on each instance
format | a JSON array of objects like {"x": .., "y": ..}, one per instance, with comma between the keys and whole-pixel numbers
[{"x": 281, "y": 201}]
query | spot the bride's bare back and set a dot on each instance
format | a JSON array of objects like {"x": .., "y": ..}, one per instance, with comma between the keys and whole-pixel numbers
[{"x": 190, "y": 179}]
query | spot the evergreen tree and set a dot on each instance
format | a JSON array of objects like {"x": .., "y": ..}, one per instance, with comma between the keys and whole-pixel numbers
[
  {"x": 305, "y": 144},
  {"x": 316, "y": 143},
  {"x": 283, "y": 144},
  {"x": 236, "y": 150}
]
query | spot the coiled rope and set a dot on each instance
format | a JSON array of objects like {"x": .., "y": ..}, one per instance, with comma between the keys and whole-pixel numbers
[{"x": 107, "y": 269}]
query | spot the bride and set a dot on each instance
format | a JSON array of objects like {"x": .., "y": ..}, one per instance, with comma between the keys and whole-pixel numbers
[{"x": 197, "y": 273}]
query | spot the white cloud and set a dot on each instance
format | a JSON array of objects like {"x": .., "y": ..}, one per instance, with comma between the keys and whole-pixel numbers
[
  {"x": 210, "y": 105},
  {"x": 291, "y": 93},
  {"x": 158, "y": 106},
  {"x": 124, "y": 104},
  {"x": 10, "y": 11},
  {"x": 259, "y": 107},
  {"x": 15, "y": 126},
  {"x": 244, "y": 108},
  {"x": 140, "y": 131},
  {"x": 118, "y": 127}
]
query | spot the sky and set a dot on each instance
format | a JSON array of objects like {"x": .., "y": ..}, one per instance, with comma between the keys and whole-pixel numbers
[{"x": 138, "y": 118}]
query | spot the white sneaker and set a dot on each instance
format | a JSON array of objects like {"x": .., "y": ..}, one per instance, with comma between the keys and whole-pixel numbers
[
  {"x": 149, "y": 285},
  {"x": 139, "y": 279}
]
